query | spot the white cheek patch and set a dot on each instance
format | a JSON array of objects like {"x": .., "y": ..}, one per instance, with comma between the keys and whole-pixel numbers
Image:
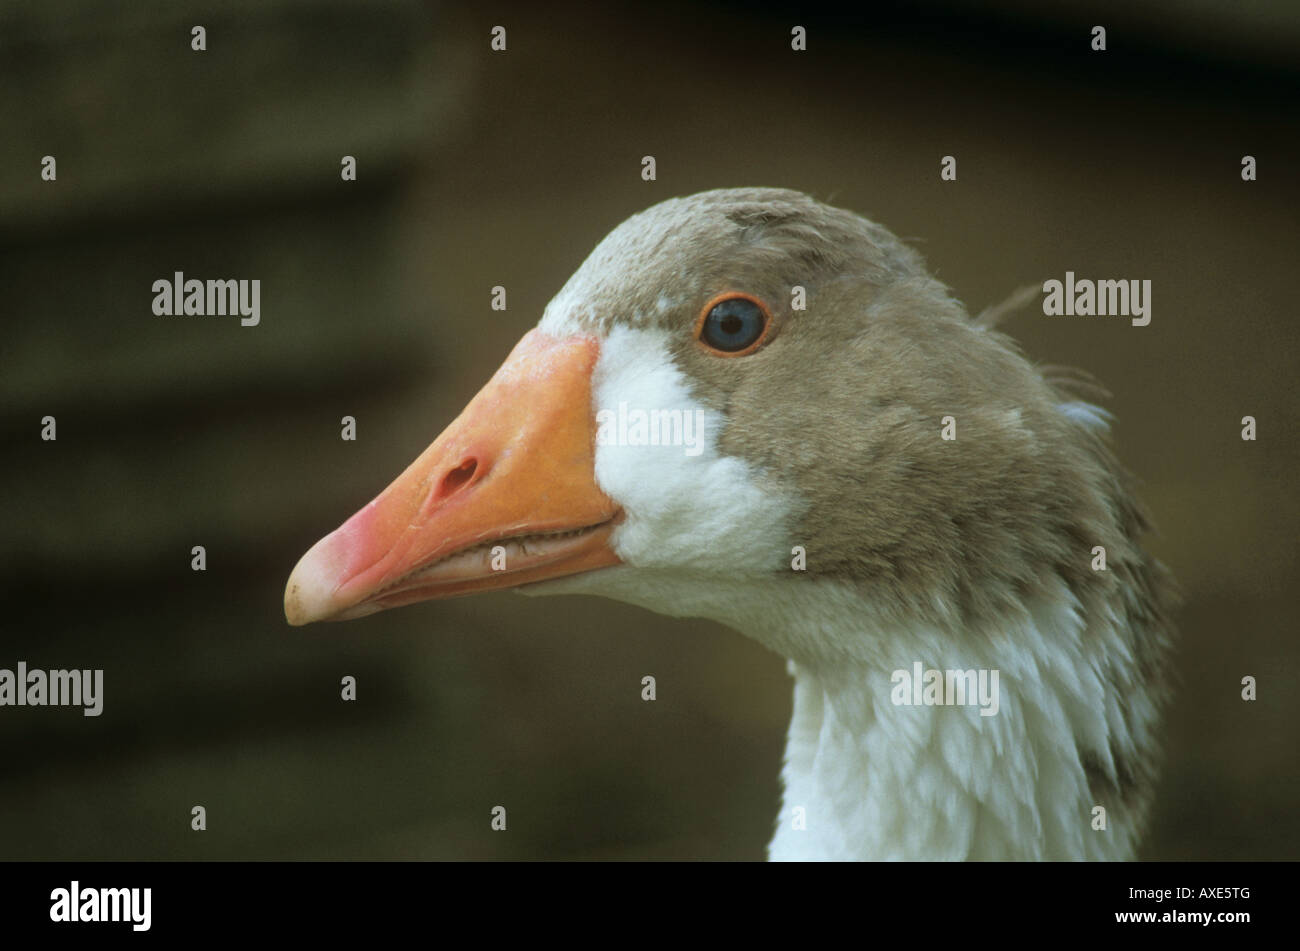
[{"x": 686, "y": 505}]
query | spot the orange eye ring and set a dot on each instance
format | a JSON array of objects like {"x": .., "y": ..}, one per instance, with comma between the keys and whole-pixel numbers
[{"x": 722, "y": 298}]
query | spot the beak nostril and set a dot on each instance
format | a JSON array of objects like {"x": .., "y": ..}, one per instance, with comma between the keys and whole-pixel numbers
[{"x": 456, "y": 479}]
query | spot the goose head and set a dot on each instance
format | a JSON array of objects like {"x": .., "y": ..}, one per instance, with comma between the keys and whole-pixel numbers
[{"x": 749, "y": 406}]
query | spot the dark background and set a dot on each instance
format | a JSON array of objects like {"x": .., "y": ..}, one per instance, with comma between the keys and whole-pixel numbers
[{"x": 480, "y": 168}]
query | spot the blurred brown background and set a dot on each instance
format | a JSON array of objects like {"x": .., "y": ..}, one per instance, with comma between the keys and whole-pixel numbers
[{"x": 478, "y": 169}]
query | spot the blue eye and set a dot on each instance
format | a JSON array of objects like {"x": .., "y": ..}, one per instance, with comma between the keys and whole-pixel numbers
[{"x": 733, "y": 325}]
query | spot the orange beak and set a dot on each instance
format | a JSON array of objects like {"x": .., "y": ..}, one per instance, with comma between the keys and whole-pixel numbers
[{"x": 506, "y": 496}]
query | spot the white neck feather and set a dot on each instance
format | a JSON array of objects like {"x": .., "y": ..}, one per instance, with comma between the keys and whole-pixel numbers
[{"x": 881, "y": 781}]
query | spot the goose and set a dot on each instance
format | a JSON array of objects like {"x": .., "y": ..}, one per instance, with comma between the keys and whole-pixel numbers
[{"x": 865, "y": 479}]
